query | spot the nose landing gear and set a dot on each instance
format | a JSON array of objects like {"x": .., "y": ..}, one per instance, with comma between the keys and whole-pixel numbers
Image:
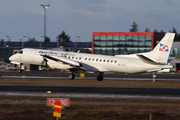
[{"x": 20, "y": 68}]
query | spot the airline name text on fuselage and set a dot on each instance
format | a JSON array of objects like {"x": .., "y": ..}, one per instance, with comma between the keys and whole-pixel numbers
[{"x": 56, "y": 53}]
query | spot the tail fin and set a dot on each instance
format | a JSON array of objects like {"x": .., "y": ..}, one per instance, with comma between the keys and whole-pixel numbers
[{"x": 161, "y": 52}]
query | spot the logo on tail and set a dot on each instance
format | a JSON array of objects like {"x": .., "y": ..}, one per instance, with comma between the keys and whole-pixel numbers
[{"x": 163, "y": 47}]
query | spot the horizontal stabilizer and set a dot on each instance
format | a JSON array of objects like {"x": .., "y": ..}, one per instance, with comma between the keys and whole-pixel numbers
[{"x": 171, "y": 59}]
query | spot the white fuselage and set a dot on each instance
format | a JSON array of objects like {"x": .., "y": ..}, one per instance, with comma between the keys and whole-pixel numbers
[{"x": 89, "y": 62}]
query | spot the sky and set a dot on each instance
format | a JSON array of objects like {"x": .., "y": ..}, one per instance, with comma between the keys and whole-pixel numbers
[{"x": 20, "y": 18}]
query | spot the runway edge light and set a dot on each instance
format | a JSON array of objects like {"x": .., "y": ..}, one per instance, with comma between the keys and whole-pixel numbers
[{"x": 49, "y": 92}]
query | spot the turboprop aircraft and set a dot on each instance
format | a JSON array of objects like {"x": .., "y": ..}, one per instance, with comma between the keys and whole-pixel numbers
[{"x": 153, "y": 61}]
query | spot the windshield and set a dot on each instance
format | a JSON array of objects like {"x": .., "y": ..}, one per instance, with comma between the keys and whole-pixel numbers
[{"x": 21, "y": 52}]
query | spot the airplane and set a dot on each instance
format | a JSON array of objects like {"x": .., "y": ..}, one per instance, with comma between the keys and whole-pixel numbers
[{"x": 153, "y": 61}]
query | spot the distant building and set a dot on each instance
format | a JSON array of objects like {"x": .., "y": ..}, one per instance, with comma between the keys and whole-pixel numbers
[{"x": 118, "y": 43}]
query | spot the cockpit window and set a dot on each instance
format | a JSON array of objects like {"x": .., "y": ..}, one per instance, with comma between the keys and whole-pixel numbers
[{"x": 21, "y": 52}]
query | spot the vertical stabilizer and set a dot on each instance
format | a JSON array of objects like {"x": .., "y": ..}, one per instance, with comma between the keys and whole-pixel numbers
[{"x": 160, "y": 53}]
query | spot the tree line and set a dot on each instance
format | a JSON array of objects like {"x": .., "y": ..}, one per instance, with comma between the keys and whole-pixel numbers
[
  {"x": 134, "y": 28},
  {"x": 63, "y": 37}
]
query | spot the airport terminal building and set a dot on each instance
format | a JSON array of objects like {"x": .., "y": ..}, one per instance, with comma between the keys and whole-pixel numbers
[{"x": 118, "y": 43}]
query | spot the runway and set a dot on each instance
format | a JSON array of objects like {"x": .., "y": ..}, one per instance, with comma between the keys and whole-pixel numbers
[
  {"x": 113, "y": 76},
  {"x": 166, "y": 92}
]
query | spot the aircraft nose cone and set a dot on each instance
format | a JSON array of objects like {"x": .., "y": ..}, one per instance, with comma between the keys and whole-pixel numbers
[{"x": 11, "y": 58}]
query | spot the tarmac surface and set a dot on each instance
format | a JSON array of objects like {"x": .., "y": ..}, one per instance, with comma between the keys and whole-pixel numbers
[
  {"x": 93, "y": 90},
  {"x": 165, "y": 92},
  {"x": 58, "y": 74}
]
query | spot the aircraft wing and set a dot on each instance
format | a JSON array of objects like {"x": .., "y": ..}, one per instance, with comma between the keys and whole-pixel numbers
[{"x": 63, "y": 60}]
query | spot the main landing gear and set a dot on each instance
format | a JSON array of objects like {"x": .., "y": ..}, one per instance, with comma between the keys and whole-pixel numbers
[
  {"x": 72, "y": 76},
  {"x": 100, "y": 76},
  {"x": 154, "y": 76}
]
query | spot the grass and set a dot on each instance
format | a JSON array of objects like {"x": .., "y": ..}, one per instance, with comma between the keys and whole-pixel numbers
[{"x": 91, "y": 109}]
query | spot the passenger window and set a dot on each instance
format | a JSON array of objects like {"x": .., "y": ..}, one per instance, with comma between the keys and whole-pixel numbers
[
  {"x": 111, "y": 61},
  {"x": 85, "y": 58},
  {"x": 115, "y": 61},
  {"x": 76, "y": 58},
  {"x": 96, "y": 59},
  {"x": 93, "y": 59},
  {"x": 72, "y": 57},
  {"x": 100, "y": 60},
  {"x": 69, "y": 57},
  {"x": 104, "y": 60},
  {"x": 89, "y": 59},
  {"x": 107, "y": 60},
  {"x": 80, "y": 58}
]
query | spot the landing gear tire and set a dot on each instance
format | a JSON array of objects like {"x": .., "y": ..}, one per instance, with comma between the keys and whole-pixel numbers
[
  {"x": 71, "y": 77},
  {"x": 20, "y": 71},
  {"x": 100, "y": 78}
]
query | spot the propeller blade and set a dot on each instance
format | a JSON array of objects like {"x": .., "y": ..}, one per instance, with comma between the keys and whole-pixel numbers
[{"x": 44, "y": 60}]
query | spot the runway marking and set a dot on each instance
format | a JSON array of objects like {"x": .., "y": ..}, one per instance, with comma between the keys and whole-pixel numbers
[
  {"x": 105, "y": 78},
  {"x": 80, "y": 95}
]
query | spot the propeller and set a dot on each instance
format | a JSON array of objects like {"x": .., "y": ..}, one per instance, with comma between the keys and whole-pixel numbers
[{"x": 47, "y": 68}]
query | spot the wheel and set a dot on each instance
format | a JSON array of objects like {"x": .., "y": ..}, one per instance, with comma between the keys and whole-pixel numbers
[
  {"x": 20, "y": 71},
  {"x": 71, "y": 77},
  {"x": 100, "y": 78}
]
